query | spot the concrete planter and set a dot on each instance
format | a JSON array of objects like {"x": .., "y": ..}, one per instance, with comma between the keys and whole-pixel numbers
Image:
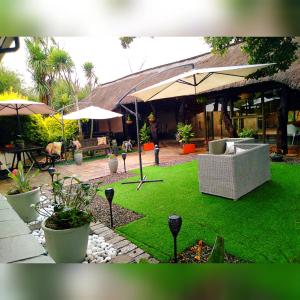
[
  {"x": 113, "y": 165},
  {"x": 67, "y": 245},
  {"x": 21, "y": 203},
  {"x": 148, "y": 146},
  {"x": 188, "y": 148},
  {"x": 78, "y": 157}
]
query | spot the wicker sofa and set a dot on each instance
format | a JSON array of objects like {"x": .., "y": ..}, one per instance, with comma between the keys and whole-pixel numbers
[{"x": 234, "y": 175}]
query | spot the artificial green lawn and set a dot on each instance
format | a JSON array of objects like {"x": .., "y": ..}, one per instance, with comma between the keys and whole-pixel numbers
[{"x": 260, "y": 227}]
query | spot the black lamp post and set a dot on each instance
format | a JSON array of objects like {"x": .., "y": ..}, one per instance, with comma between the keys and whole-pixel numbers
[
  {"x": 109, "y": 194},
  {"x": 51, "y": 172},
  {"x": 156, "y": 154},
  {"x": 124, "y": 155},
  {"x": 175, "y": 225}
]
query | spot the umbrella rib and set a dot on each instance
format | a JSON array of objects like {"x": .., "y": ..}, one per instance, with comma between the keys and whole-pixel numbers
[
  {"x": 161, "y": 90},
  {"x": 234, "y": 75},
  {"x": 206, "y": 76},
  {"x": 184, "y": 82}
]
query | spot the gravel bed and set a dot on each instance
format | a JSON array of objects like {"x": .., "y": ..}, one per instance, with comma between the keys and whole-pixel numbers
[{"x": 192, "y": 255}]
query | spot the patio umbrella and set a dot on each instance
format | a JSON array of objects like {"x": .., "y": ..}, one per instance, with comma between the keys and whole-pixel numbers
[
  {"x": 23, "y": 107},
  {"x": 196, "y": 81},
  {"x": 93, "y": 113},
  {"x": 188, "y": 83}
]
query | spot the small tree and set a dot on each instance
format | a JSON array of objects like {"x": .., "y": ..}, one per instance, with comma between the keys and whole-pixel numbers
[{"x": 145, "y": 134}]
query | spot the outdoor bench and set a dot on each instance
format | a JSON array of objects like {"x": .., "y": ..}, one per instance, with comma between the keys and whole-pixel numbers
[{"x": 91, "y": 144}]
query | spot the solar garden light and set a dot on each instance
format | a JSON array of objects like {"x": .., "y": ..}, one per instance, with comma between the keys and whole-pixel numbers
[
  {"x": 156, "y": 154},
  {"x": 124, "y": 155},
  {"x": 109, "y": 194},
  {"x": 175, "y": 225},
  {"x": 51, "y": 172}
]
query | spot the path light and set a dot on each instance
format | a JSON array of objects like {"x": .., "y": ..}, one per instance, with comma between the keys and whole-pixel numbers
[
  {"x": 156, "y": 154},
  {"x": 109, "y": 194},
  {"x": 51, "y": 171},
  {"x": 124, "y": 155},
  {"x": 175, "y": 225}
]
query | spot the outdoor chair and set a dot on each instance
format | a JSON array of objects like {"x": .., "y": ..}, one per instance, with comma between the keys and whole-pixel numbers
[
  {"x": 293, "y": 131},
  {"x": 234, "y": 175}
]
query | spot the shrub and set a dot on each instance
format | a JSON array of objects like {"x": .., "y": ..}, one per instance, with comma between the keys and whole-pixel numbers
[
  {"x": 248, "y": 133},
  {"x": 184, "y": 133},
  {"x": 145, "y": 134}
]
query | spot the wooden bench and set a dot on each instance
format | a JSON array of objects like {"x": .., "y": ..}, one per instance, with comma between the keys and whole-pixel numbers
[{"x": 91, "y": 144}]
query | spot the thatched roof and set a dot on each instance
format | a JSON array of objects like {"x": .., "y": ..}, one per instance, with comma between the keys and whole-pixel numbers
[{"x": 108, "y": 94}]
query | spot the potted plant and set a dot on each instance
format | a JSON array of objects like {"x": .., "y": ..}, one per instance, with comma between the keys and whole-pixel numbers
[
  {"x": 22, "y": 195},
  {"x": 112, "y": 163},
  {"x": 184, "y": 134},
  {"x": 151, "y": 117},
  {"x": 145, "y": 138},
  {"x": 248, "y": 133},
  {"x": 128, "y": 121},
  {"x": 67, "y": 226},
  {"x": 78, "y": 157}
]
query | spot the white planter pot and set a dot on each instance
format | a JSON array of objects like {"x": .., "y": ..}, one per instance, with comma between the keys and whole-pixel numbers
[
  {"x": 113, "y": 165},
  {"x": 21, "y": 203},
  {"x": 78, "y": 158},
  {"x": 67, "y": 245}
]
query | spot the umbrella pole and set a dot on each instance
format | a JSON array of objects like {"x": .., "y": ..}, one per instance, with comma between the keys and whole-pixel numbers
[
  {"x": 18, "y": 121},
  {"x": 92, "y": 128},
  {"x": 142, "y": 178}
]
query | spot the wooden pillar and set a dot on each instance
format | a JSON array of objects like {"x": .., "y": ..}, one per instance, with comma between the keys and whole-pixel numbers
[
  {"x": 263, "y": 117},
  {"x": 226, "y": 118},
  {"x": 282, "y": 122}
]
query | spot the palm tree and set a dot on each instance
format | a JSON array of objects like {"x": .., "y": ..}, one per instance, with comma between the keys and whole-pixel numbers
[
  {"x": 62, "y": 65},
  {"x": 43, "y": 77},
  {"x": 92, "y": 79}
]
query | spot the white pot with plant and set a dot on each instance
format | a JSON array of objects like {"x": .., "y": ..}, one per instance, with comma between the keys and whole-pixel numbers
[
  {"x": 78, "y": 157},
  {"x": 112, "y": 163},
  {"x": 22, "y": 195},
  {"x": 67, "y": 228}
]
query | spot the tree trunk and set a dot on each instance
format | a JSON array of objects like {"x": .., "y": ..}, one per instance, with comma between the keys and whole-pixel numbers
[
  {"x": 227, "y": 121},
  {"x": 282, "y": 111}
]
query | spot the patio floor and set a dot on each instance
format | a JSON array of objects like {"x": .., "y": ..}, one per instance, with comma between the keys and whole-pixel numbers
[{"x": 99, "y": 167}]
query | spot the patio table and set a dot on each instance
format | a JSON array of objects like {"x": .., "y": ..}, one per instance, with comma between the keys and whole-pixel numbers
[{"x": 19, "y": 153}]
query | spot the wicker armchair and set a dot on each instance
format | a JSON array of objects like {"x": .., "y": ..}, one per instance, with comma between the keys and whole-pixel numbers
[{"x": 233, "y": 176}]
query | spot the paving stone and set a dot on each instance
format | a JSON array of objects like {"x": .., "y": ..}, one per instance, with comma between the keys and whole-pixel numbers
[
  {"x": 121, "y": 244},
  {"x": 19, "y": 247},
  {"x": 96, "y": 225},
  {"x": 109, "y": 236},
  {"x": 127, "y": 249},
  {"x": 42, "y": 259},
  {"x": 136, "y": 252},
  {"x": 8, "y": 215},
  {"x": 13, "y": 228},
  {"x": 116, "y": 239},
  {"x": 101, "y": 230},
  {"x": 142, "y": 256},
  {"x": 103, "y": 233},
  {"x": 4, "y": 204},
  {"x": 121, "y": 259}
]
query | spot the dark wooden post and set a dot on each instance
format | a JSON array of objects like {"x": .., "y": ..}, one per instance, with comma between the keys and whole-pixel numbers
[
  {"x": 226, "y": 118},
  {"x": 282, "y": 121},
  {"x": 263, "y": 117}
]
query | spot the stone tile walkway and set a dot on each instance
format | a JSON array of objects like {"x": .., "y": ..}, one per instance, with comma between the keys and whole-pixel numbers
[
  {"x": 127, "y": 252},
  {"x": 17, "y": 245}
]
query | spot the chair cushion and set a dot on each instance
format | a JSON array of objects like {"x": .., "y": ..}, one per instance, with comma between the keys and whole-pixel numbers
[
  {"x": 239, "y": 150},
  {"x": 49, "y": 148},
  {"x": 57, "y": 148},
  {"x": 76, "y": 144},
  {"x": 102, "y": 140}
]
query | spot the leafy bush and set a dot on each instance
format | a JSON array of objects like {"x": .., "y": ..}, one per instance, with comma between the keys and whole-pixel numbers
[
  {"x": 184, "y": 133},
  {"x": 145, "y": 134},
  {"x": 248, "y": 133}
]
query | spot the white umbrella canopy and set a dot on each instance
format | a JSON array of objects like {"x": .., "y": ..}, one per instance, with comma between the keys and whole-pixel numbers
[
  {"x": 23, "y": 107},
  {"x": 92, "y": 112},
  {"x": 197, "y": 81}
]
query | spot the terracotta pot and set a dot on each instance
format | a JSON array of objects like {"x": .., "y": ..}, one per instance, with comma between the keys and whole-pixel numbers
[
  {"x": 188, "y": 148},
  {"x": 148, "y": 146},
  {"x": 129, "y": 122},
  {"x": 151, "y": 120}
]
